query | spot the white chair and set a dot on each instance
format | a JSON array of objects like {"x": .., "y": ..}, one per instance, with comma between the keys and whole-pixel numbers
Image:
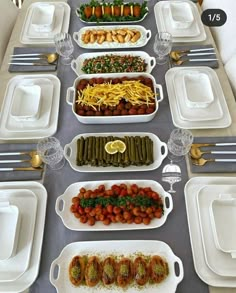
[{"x": 8, "y": 14}]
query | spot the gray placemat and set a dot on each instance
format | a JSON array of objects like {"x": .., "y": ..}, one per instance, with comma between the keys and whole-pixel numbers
[
  {"x": 216, "y": 167},
  {"x": 17, "y": 175},
  {"x": 212, "y": 64},
  {"x": 32, "y": 68}
]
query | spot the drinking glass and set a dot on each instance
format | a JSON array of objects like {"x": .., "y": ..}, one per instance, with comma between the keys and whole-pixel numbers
[
  {"x": 179, "y": 144},
  {"x": 64, "y": 47},
  {"x": 51, "y": 152},
  {"x": 162, "y": 46}
]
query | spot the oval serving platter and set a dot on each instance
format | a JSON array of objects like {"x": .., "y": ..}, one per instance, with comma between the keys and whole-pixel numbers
[
  {"x": 77, "y": 64},
  {"x": 145, "y": 36},
  {"x": 64, "y": 202},
  {"x": 159, "y": 153}
]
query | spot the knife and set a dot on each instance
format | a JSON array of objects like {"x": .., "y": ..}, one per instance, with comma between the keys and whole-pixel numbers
[
  {"x": 21, "y": 169},
  {"x": 30, "y": 64},
  {"x": 213, "y": 144}
]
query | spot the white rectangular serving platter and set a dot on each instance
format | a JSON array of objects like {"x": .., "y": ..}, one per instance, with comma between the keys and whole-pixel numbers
[
  {"x": 61, "y": 22},
  {"x": 163, "y": 25},
  {"x": 111, "y": 22},
  {"x": 70, "y": 152},
  {"x": 50, "y": 106},
  {"x": 223, "y": 122},
  {"x": 71, "y": 98},
  {"x": 220, "y": 262},
  {"x": 64, "y": 202},
  {"x": 120, "y": 247},
  {"x": 28, "y": 278},
  {"x": 142, "y": 41},
  {"x": 26, "y": 201},
  {"x": 77, "y": 64},
  {"x": 191, "y": 190}
]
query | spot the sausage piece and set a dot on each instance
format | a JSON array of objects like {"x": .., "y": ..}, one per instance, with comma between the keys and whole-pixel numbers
[
  {"x": 92, "y": 271},
  {"x": 77, "y": 270}
]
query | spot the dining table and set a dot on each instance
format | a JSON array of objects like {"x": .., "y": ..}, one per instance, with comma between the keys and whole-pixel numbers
[{"x": 175, "y": 231}]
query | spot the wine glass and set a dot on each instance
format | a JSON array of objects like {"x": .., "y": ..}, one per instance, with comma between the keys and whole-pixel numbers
[
  {"x": 179, "y": 144},
  {"x": 162, "y": 46},
  {"x": 64, "y": 47}
]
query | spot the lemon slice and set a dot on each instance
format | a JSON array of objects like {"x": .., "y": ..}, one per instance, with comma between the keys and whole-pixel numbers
[
  {"x": 118, "y": 145},
  {"x": 109, "y": 149}
]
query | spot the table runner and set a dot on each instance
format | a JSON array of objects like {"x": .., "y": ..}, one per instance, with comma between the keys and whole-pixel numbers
[{"x": 174, "y": 232}]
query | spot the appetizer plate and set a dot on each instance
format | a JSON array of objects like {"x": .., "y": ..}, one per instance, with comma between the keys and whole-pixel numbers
[
  {"x": 142, "y": 41},
  {"x": 222, "y": 122},
  {"x": 115, "y": 21},
  {"x": 64, "y": 202},
  {"x": 71, "y": 98},
  {"x": 159, "y": 152},
  {"x": 222, "y": 185},
  {"x": 77, "y": 64},
  {"x": 46, "y": 125},
  {"x": 29, "y": 276},
  {"x": 126, "y": 248},
  {"x": 220, "y": 262},
  {"x": 61, "y": 24},
  {"x": 26, "y": 202},
  {"x": 195, "y": 33}
]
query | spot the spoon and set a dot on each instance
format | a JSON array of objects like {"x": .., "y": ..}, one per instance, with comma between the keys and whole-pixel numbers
[
  {"x": 176, "y": 55},
  {"x": 51, "y": 58},
  {"x": 196, "y": 153},
  {"x": 202, "y": 162},
  {"x": 35, "y": 161},
  {"x": 180, "y": 62}
]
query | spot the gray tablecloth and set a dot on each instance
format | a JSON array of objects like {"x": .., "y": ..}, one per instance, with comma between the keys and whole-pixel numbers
[{"x": 174, "y": 232}]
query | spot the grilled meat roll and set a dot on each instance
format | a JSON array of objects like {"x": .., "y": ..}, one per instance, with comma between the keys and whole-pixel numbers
[
  {"x": 124, "y": 272},
  {"x": 109, "y": 271},
  {"x": 92, "y": 271},
  {"x": 76, "y": 270},
  {"x": 141, "y": 271},
  {"x": 158, "y": 269}
]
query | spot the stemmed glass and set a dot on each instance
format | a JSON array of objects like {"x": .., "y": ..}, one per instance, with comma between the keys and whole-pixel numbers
[
  {"x": 64, "y": 47},
  {"x": 179, "y": 144},
  {"x": 162, "y": 46}
]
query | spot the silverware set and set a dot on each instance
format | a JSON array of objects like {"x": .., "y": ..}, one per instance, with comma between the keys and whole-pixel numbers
[
  {"x": 41, "y": 59},
  {"x": 36, "y": 163},
  {"x": 196, "y": 154},
  {"x": 176, "y": 56}
]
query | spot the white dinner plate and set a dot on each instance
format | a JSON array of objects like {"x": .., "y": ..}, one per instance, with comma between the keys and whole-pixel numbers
[
  {"x": 117, "y": 248},
  {"x": 64, "y": 202},
  {"x": 28, "y": 278},
  {"x": 159, "y": 152},
  {"x": 220, "y": 262},
  {"x": 142, "y": 41},
  {"x": 163, "y": 25},
  {"x": 212, "y": 112},
  {"x": 45, "y": 39},
  {"x": 223, "y": 122},
  {"x": 26, "y": 201},
  {"x": 191, "y": 190},
  {"x": 77, "y": 64},
  {"x": 46, "y": 125}
]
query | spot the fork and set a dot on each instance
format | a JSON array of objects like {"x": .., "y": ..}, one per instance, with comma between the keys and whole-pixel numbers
[{"x": 202, "y": 161}]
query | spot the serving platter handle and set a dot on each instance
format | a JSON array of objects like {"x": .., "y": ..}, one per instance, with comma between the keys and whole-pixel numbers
[
  {"x": 152, "y": 63},
  {"x": 67, "y": 151},
  {"x": 57, "y": 205},
  {"x": 159, "y": 87},
  {"x": 74, "y": 66},
  {"x": 170, "y": 200},
  {"x": 76, "y": 37},
  {"x": 163, "y": 144},
  {"x": 148, "y": 34},
  {"x": 68, "y": 95},
  {"x": 54, "y": 279},
  {"x": 180, "y": 276}
]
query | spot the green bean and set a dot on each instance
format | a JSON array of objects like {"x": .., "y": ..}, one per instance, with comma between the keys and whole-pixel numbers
[
  {"x": 97, "y": 148},
  {"x": 100, "y": 151},
  {"x": 90, "y": 143},
  {"x": 132, "y": 151},
  {"x": 86, "y": 151},
  {"x": 104, "y": 156},
  {"x": 144, "y": 153}
]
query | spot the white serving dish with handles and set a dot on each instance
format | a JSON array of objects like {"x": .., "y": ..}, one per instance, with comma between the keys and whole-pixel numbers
[
  {"x": 77, "y": 64},
  {"x": 72, "y": 92},
  {"x": 142, "y": 41},
  {"x": 64, "y": 202},
  {"x": 126, "y": 248},
  {"x": 160, "y": 151}
]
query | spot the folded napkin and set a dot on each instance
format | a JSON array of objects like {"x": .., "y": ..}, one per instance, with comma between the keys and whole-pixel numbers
[
  {"x": 212, "y": 64},
  {"x": 31, "y": 68},
  {"x": 18, "y": 175},
  {"x": 215, "y": 167}
]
